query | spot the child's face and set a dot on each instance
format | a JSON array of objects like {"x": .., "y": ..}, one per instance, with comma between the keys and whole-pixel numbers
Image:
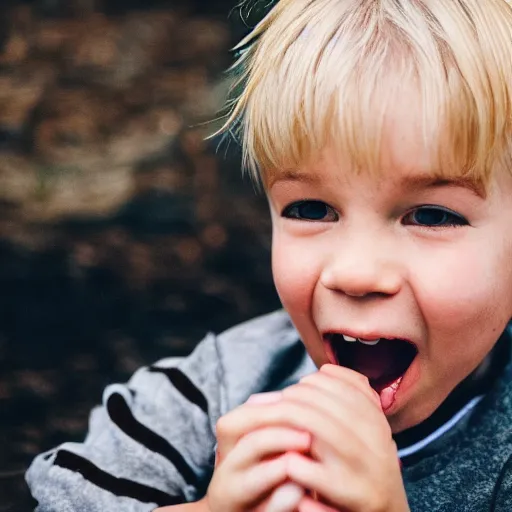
[{"x": 400, "y": 256}]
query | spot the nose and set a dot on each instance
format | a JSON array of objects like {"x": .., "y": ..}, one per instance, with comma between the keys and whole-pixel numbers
[{"x": 362, "y": 266}]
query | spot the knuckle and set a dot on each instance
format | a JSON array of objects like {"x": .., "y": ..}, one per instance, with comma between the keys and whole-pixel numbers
[
  {"x": 281, "y": 437},
  {"x": 359, "y": 377},
  {"x": 311, "y": 379},
  {"x": 334, "y": 371},
  {"x": 329, "y": 367},
  {"x": 224, "y": 427},
  {"x": 266, "y": 439},
  {"x": 257, "y": 440},
  {"x": 303, "y": 388},
  {"x": 253, "y": 482},
  {"x": 284, "y": 414},
  {"x": 289, "y": 391},
  {"x": 345, "y": 373},
  {"x": 293, "y": 391}
]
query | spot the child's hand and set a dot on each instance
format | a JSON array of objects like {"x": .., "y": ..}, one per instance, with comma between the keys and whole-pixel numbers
[
  {"x": 251, "y": 468},
  {"x": 354, "y": 464}
]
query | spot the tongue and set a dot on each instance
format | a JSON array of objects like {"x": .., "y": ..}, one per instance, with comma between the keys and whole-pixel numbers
[{"x": 383, "y": 363}]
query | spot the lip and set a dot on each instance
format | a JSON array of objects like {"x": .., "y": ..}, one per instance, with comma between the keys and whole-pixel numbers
[{"x": 408, "y": 379}]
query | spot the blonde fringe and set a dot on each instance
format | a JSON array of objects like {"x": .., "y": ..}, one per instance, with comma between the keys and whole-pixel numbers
[{"x": 323, "y": 73}]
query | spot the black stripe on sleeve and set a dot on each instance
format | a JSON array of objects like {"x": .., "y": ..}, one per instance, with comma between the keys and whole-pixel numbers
[
  {"x": 184, "y": 385},
  {"x": 118, "y": 486},
  {"x": 120, "y": 413}
]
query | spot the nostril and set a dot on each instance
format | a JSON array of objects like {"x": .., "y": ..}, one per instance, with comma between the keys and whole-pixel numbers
[
  {"x": 359, "y": 288},
  {"x": 361, "y": 281}
]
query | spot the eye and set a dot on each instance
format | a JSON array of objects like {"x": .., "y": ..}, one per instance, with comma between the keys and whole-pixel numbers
[
  {"x": 310, "y": 211},
  {"x": 434, "y": 216}
]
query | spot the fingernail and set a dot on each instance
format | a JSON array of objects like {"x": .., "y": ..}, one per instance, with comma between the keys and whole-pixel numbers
[
  {"x": 265, "y": 398},
  {"x": 286, "y": 497}
]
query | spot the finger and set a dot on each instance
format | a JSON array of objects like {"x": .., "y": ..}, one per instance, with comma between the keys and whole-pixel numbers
[
  {"x": 256, "y": 482},
  {"x": 308, "y": 504},
  {"x": 304, "y": 417},
  {"x": 338, "y": 376},
  {"x": 265, "y": 398},
  {"x": 285, "y": 498},
  {"x": 345, "y": 440},
  {"x": 338, "y": 397},
  {"x": 265, "y": 442},
  {"x": 229, "y": 428},
  {"x": 351, "y": 378},
  {"x": 307, "y": 472},
  {"x": 345, "y": 409}
]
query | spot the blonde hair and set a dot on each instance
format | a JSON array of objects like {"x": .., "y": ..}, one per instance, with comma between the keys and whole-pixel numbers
[{"x": 317, "y": 73}]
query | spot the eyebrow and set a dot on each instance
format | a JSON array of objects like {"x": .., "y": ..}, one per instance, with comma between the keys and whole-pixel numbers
[
  {"x": 408, "y": 182},
  {"x": 429, "y": 181},
  {"x": 293, "y": 175}
]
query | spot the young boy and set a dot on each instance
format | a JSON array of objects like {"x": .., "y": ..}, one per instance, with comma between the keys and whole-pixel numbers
[{"x": 381, "y": 132}]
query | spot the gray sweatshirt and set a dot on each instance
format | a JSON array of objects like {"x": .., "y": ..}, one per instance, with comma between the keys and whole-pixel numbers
[{"x": 152, "y": 442}]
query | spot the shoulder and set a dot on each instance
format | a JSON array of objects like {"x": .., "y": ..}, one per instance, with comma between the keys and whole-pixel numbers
[
  {"x": 265, "y": 332},
  {"x": 263, "y": 354}
]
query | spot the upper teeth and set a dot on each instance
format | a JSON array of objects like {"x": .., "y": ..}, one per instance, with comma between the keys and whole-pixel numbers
[
  {"x": 370, "y": 342},
  {"x": 350, "y": 339}
]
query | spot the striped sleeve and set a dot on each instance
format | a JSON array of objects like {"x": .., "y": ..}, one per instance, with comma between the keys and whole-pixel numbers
[{"x": 150, "y": 444}]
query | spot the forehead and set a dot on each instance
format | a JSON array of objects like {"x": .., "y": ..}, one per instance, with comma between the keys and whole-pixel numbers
[
  {"x": 404, "y": 143},
  {"x": 406, "y": 154}
]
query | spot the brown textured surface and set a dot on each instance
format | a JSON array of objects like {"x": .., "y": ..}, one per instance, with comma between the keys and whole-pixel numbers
[{"x": 123, "y": 236}]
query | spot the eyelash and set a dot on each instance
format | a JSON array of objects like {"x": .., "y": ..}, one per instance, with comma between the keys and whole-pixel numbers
[
  {"x": 292, "y": 211},
  {"x": 451, "y": 218}
]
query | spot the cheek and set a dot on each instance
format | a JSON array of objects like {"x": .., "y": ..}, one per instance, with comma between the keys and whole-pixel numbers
[
  {"x": 295, "y": 268},
  {"x": 466, "y": 292}
]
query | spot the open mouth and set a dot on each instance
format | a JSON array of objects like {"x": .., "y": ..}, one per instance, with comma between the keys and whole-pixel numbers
[{"x": 383, "y": 361}]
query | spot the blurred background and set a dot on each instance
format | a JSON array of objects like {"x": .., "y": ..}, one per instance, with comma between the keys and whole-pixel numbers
[{"x": 124, "y": 236}]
